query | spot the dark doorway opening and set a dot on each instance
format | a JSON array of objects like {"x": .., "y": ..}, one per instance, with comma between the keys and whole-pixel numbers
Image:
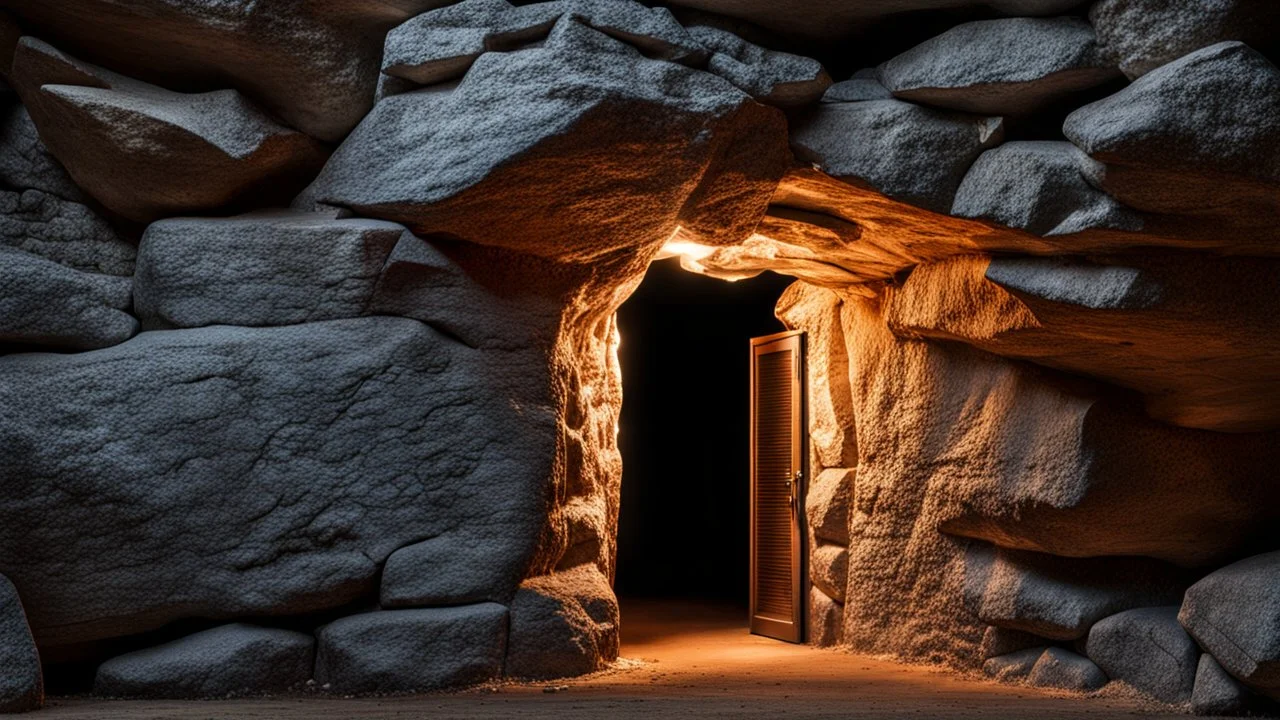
[{"x": 684, "y": 523}]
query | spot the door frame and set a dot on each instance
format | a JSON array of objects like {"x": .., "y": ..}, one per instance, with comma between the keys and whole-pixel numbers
[{"x": 795, "y": 630}]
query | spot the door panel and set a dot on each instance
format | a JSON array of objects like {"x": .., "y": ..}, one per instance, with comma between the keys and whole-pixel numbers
[{"x": 777, "y": 425}]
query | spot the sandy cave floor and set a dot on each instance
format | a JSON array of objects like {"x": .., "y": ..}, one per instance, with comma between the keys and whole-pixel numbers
[{"x": 682, "y": 660}]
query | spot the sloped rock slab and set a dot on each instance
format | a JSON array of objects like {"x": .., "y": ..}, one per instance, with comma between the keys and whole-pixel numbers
[
  {"x": 412, "y": 650},
  {"x": 1142, "y": 35},
  {"x": 44, "y": 304},
  {"x": 236, "y": 659},
  {"x": 146, "y": 152},
  {"x": 259, "y": 472},
  {"x": 1064, "y": 670},
  {"x": 1011, "y": 66},
  {"x": 772, "y": 77}
]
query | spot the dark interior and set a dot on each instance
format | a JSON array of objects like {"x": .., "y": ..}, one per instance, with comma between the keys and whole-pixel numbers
[{"x": 683, "y": 531}]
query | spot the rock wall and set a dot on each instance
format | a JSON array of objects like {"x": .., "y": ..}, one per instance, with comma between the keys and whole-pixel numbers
[{"x": 308, "y": 356}]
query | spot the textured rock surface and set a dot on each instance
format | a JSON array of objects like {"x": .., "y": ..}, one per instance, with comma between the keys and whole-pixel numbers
[
  {"x": 563, "y": 624},
  {"x": 1013, "y": 666},
  {"x": 1060, "y": 598},
  {"x": 412, "y": 650},
  {"x": 1147, "y": 649},
  {"x": 1159, "y": 324},
  {"x": 772, "y": 77},
  {"x": 826, "y": 620},
  {"x": 520, "y": 119},
  {"x": 270, "y": 268},
  {"x": 313, "y": 64},
  {"x": 25, "y": 163},
  {"x": 63, "y": 231},
  {"x": 1234, "y": 613},
  {"x": 1217, "y": 693},
  {"x": 1003, "y": 641},
  {"x": 226, "y": 660},
  {"x": 1142, "y": 35},
  {"x": 1197, "y": 137},
  {"x": 146, "y": 152},
  {"x": 400, "y": 433},
  {"x": 829, "y": 569},
  {"x": 862, "y": 86},
  {"x": 21, "y": 682},
  {"x": 1039, "y": 186},
  {"x": 905, "y": 151},
  {"x": 442, "y": 44},
  {"x": 827, "y": 501},
  {"x": 1065, "y": 670},
  {"x": 48, "y": 305},
  {"x": 422, "y": 574},
  {"x": 1010, "y": 66}
]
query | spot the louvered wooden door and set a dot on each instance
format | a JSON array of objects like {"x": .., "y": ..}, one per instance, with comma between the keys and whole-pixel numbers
[{"x": 777, "y": 428}]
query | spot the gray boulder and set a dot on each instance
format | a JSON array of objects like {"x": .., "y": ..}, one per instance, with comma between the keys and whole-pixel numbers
[
  {"x": 1040, "y": 186},
  {"x": 562, "y": 624},
  {"x": 519, "y": 120},
  {"x": 268, "y": 268},
  {"x": 25, "y": 163},
  {"x": 146, "y": 152},
  {"x": 234, "y": 659},
  {"x": 261, "y": 472},
  {"x": 862, "y": 86},
  {"x": 412, "y": 650},
  {"x": 1234, "y": 613},
  {"x": 1142, "y": 35},
  {"x": 827, "y": 502},
  {"x": 1217, "y": 693},
  {"x": 442, "y": 44},
  {"x": 1064, "y": 670},
  {"x": 49, "y": 305},
  {"x": 63, "y": 231},
  {"x": 420, "y": 575},
  {"x": 772, "y": 77},
  {"x": 905, "y": 151},
  {"x": 1147, "y": 649},
  {"x": 312, "y": 64},
  {"x": 1011, "y": 66},
  {"x": 1198, "y": 136},
  {"x": 1061, "y": 598},
  {"x": 1015, "y": 665},
  {"x": 21, "y": 681}
]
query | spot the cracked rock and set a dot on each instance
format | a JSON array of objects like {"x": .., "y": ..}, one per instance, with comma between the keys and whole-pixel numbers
[
  {"x": 48, "y": 305},
  {"x": 65, "y": 232},
  {"x": 1148, "y": 649}
]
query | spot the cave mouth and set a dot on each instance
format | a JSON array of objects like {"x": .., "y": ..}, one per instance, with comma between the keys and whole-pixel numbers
[{"x": 683, "y": 529}]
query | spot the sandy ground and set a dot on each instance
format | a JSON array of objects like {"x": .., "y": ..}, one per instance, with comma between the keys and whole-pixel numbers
[{"x": 678, "y": 660}]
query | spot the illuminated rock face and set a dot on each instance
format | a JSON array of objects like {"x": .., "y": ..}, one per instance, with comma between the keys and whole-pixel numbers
[{"x": 1041, "y": 372}]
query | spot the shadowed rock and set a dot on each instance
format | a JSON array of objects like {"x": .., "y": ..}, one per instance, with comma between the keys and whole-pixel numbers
[
  {"x": 905, "y": 151},
  {"x": 862, "y": 86},
  {"x": 25, "y": 163},
  {"x": 65, "y": 232},
  {"x": 21, "y": 682},
  {"x": 1217, "y": 693},
  {"x": 829, "y": 569},
  {"x": 48, "y": 305},
  {"x": 827, "y": 502},
  {"x": 1061, "y": 598},
  {"x": 998, "y": 641},
  {"x": 826, "y": 620},
  {"x": 412, "y": 650},
  {"x": 1234, "y": 613},
  {"x": 146, "y": 152},
  {"x": 772, "y": 77},
  {"x": 231, "y": 659},
  {"x": 260, "y": 472},
  {"x": 1142, "y": 35},
  {"x": 1013, "y": 66},
  {"x": 1012, "y": 666},
  {"x": 1065, "y": 670},
  {"x": 314, "y": 64},
  {"x": 542, "y": 124},
  {"x": 1148, "y": 649},
  {"x": 1195, "y": 137},
  {"x": 563, "y": 624}
]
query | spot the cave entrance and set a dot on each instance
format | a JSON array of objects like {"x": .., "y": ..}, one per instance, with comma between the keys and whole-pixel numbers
[{"x": 684, "y": 531}]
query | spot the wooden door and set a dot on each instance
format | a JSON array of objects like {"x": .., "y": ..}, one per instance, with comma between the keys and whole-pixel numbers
[{"x": 777, "y": 463}]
